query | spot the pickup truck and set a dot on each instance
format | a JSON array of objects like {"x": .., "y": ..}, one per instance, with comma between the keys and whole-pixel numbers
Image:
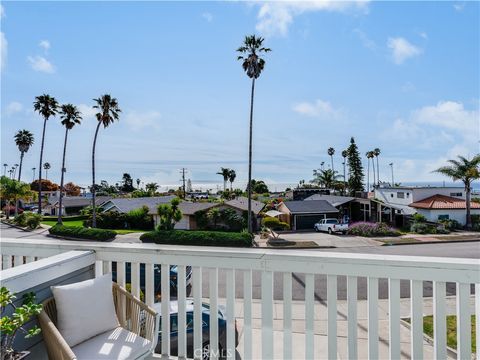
[{"x": 331, "y": 226}]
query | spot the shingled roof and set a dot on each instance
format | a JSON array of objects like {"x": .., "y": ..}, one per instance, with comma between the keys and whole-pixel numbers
[
  {"x": 310, "y": 207},
  {"x": 443, "y": 202}
]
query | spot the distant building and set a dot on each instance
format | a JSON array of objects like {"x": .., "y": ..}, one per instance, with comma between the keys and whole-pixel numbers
[
  {"x": 124, "y": 205},
  {"x": 302, "y": 215},
  {"x": 71, "y": 205},
  {"x": 441, "y": 207}
]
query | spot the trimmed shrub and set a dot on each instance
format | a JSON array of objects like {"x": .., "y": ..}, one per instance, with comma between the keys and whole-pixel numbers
[
  {"x": 65, "y": 218},
  {"x": 198, "y": 238},
  {"x": 33, "y": 221},
  {"x": 274, "y": 223},
  {"x": 421, "y": 228},
  {"x": 419, "y": 218},
  {"x": 21, "y": 219},
  {"x": 369, "y": 229},
  {"x": 451, "y": 224},
  {"x": 80, "y": 232}
]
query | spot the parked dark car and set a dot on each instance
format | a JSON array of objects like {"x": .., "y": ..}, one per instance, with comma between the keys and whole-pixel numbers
[
  {"x": 157, "y": 277},
  {"x": 222, "y": 330}
]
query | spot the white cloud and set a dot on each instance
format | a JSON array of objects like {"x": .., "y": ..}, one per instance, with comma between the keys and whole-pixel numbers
[
  {"x": 2, "y": 11},
  {"x": 139, "y": 120},
  {"x": 459, "y": 6},
  {"x": 88, "y": 112},
  {"x": 319, "y": 109},
  {"x": 207, "y": 16},
  {"x": 450, "y": 115},
  {"x": 3, "y": 51},
  {"x": 39, "y": 63},
  {"x": 423, "y": 34},
  {"x": 402, "y": 49},
  {"x": 44, "y": 44},
  {"x": 366, "y": 41},
  {"x": 274, "y": 18},
  {"x": 14, "y": 107}
]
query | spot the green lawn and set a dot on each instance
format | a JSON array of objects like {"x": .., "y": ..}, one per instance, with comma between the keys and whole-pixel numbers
[
  {"x": 65, "y": 222},
  {"x": 451, "y": 330},
  {"x": 129, "y": 231}
]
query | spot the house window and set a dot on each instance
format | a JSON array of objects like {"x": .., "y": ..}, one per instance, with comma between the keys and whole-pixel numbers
[
  {"x": 459, "y": 194},
  {"x": 443, "y": 217},
  {"x": 401, "y": 195}
]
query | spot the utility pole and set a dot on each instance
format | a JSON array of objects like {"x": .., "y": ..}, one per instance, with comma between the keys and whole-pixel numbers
[
  {"x": 183, "y": 171},
  {"x": 391, "y": 166}
]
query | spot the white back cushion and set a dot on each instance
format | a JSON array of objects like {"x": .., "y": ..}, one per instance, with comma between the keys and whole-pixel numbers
[{"x": 85, "y": 309}]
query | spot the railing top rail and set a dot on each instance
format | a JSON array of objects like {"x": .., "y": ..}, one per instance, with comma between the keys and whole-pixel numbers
[{"x": 400, "y": 266}]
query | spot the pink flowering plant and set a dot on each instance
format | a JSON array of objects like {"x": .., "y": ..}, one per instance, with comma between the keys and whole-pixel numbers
[{"x": 371, "y": 229}]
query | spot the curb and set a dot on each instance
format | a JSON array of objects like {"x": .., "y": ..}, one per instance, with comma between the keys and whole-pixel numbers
[
  {"x": 299, "y": 247},
  {"x": 433, "y": 242},
  {"x": 74, "y": 239},
  {"x": 16, "y": 226}
]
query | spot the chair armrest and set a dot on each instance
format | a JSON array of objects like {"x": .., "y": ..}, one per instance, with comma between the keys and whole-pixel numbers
[
  {"x": 56, "y": 345},
  {"x": 136, "y": 316}
]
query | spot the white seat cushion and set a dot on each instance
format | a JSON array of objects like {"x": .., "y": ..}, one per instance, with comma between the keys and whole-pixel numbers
[
  {"x": 85, "y": 309},
  {"x": 117, "y": 344}
]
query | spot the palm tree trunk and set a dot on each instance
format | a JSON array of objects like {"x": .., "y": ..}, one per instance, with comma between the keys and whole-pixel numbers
[
  {"x": 94, "y": 212},
  {"x": 40, "y": 168},
  {"x": 60, "y": 202},
  {"x": 368, "y": 174},
  {"x": 378, "y": 172},
  {"x": 333, "y": 170},
  {"x": 20, "y": 168},
  {"x": 250, "y": 230},
  {"x": 468, "y": 224},
  {"x": 373, "y": 171}
]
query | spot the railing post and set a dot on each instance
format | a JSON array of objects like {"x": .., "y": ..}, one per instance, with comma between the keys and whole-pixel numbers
[
  {"x": 394, "y": 317},
  {"x": 439, "y": 321},
  {"x": 287, "y": 315},
  {"x": 247, "y": 314},
  {"x": 373, "y": 318},
  {"x": 197, "y": 312},
  {"x": 267, "y": 315},
  {"x": 352, "y": 316},
  {"x": 213, "y": 284}
]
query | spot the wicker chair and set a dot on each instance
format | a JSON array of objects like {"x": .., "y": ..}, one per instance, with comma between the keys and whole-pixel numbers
[{"x": 133, "y": 316}]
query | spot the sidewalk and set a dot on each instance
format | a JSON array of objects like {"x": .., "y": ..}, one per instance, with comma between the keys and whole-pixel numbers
[{"x": 320, "y": 328}]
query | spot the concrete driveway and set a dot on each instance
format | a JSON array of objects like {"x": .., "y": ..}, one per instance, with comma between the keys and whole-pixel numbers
[{"x": 324, "y": 239}]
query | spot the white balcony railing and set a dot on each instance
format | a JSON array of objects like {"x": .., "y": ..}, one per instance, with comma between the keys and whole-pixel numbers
[{"x": 239, "y": 265}]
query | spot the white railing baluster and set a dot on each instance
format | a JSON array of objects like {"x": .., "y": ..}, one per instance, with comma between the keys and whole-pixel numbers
[
  {"x": 230, "y": 279},
  {"x": 477, "y": 318},
  {"x": 287, "y": 315},
  {"x": 182, "y": 315},
  {"x": 197, "y": 312},
  {"x": 309, "y": 316},
  {"x": 135, "y": 278},
  {"x": 107, "y": 267},
  {"x": 247, "y": 314},
  {"x": 165, "y": 284},
  {"x": 416, "y": 310},
  {"x": 213, "y": 286},
  {"x": 372, "y": 318},
  {"x": 352, "y": 316},
  {"x": 98, "y": 268},
  {"x": 7, "y": 261},
  {"x": 121, "y": 273},
  {"x": 17, "y": 260},
  {"x": 29, "y": 259},
  {"x": 267, "y": 315},
  {"x": 149, "y": 284},
  {"x": 394, "y": 317},
  {"x": 464, "y": 340},
  {"x": 332, "y": 316},
  {"x": 439, "y": 321}
]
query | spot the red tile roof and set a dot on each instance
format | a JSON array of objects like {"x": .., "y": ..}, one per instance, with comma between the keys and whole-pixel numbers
[{"x": 443, "y": 202}]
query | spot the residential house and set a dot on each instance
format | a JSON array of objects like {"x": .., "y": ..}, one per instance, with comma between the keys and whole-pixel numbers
[
  {"x": 302, "y": 215},
  {"x": 124, "y": 205},
  {"x": 442, "y": 207},
  {"x": 392, "y": 204},
  {"x": 72, "y": 205}
]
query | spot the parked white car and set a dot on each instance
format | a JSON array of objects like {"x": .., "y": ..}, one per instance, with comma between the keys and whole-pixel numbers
[{"x": 331, "y": 226}]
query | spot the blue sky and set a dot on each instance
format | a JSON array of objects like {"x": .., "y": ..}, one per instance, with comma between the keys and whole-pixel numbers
[{"x": 401, "y": 76}]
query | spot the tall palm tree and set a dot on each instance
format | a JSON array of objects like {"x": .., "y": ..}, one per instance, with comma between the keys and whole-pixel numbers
[
  {"x": 70, "y": 117},
  {"x": 369, "y": 155},
  {"x": 46, "y": 167},
  {"x": 231, "y": 177},
  {"x": 326, "y": 178},
  {"x": 24, "y": 141},
  {"x": 5, "y": 169},
  {"x": 46, "y": 106},
  {"x": 322, "y": 165},
  {"x": 138, "y": 183},
  {"x": 225, "y": 173},
  {"x": 331, "y": 152},
  {"x": 108, "y": 112},
  {"x": 373, "y": 168},
  {"x": 151, "y": 188},
  {"x": 253, "y": 64},
  {"x": 33, "y": 170},
  {"x": 14, "y": 169},
  {"x": 466, "y": 171},
  {"x": 376, "y": 152}
]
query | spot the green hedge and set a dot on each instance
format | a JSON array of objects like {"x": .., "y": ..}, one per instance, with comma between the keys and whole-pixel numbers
[
  {"x": 65, "y": 218},
  {"x": 80, "y": 232},
  {"x": 198, "y": 238}
]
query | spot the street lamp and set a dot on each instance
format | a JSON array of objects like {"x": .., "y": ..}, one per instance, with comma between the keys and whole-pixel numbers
[{"x": 391, "y": 167}]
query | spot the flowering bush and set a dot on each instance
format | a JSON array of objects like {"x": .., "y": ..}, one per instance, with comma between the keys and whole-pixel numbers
[{"x": 370, "y": 229}]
